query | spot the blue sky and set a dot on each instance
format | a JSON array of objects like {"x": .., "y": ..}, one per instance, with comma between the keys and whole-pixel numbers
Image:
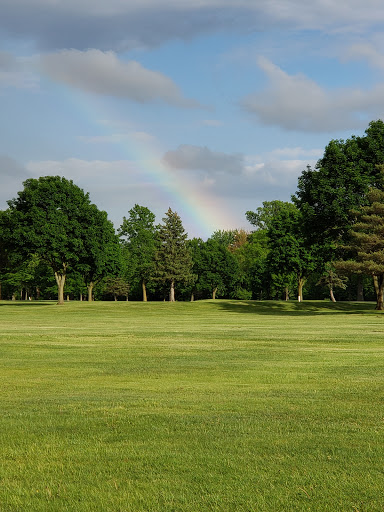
[{"x": 208, "y": 107}]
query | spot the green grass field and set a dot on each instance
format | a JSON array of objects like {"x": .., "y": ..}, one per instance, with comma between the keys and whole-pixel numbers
[{"x": 205, "y": 406}]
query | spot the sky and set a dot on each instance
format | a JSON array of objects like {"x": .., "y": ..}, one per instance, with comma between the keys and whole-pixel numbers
[{"x": 207, "y": 107}]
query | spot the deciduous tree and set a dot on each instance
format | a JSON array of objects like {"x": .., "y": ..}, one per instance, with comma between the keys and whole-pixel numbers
[
  {"x": 50, "y": 218},
  {"x": 139, "y": 238},
  {"x": 288, "y": 253}
]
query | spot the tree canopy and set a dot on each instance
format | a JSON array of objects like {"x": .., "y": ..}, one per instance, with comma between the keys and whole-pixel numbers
[{"x": 53, "y": 218}]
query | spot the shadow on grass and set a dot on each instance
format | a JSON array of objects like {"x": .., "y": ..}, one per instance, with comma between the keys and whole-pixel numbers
[
  {"x": 296, "y": 308},
  {"x": 28, "y": 303}
]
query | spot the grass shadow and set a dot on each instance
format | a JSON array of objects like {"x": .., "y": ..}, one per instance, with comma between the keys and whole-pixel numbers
[
  {"x": 32, "y": 303},
  {"x": 306, "y": 308}
]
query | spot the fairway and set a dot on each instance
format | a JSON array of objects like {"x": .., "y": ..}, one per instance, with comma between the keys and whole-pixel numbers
[{"x": 187, "y": 407}]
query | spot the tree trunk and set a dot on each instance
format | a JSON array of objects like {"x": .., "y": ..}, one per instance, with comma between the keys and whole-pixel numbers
[
  {"x": 0, "y": 291},
  {"x": 360, "y": 289},
  {"x": 172, "y": 292},
  {"x": 376, "y": 284},
  {"x": 90, "y": 290},
  {"x": 214, "y": 291},
  {"x": 115, "y": 297},
  {"x": 331, "y": 294},
  {"x": 380, "y": 289},
  {"x": 81, "y": 297},
  {"x": 60, "y": 280},
  {"x": 144, "y": 291},
  {"x": 300, "y": 283},
  {"x": 286, "y": 293},
  {"x": 192, "y": 297}
]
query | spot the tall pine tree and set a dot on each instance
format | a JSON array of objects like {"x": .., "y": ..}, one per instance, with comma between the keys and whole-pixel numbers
[
  {"x": 173, "y": 257},
  {"x": 367, "y": 244}
]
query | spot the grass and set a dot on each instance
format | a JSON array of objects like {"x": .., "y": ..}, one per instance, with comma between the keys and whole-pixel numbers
[{"x": 206, "y": 406}]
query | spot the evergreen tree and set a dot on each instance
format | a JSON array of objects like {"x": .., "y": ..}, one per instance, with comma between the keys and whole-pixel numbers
[
  {"x": 173, "y": 260},
  {"x": 367, "y": 244}
]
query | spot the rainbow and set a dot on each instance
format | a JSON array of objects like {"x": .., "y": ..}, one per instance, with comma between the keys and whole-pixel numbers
[{"x": 201, "y": 211}]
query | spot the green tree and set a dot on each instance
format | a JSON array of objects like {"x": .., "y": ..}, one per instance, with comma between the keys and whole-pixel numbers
[
  {"x": 50, "y": 218},
  {"x": 287, "y": 251},
  {"x": 224, "y": 237},
  {"x": 139, "y": 234},
  {"x": 117, "y": 286},
  {"x": 264, "y": 215},
  {"x": 101, "y": 248},
  {"x": 367, "y": 244},
  {"x": 216, "y": 268},
  {"x": 173, "y": 260},
  {"x": 328, "y": 194},
  {"x": 238, "y": 283},
  {"x": 332, "y": 280}
]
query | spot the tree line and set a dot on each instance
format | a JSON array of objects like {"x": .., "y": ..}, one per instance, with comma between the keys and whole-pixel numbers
[{"x": 331, "y": 235}]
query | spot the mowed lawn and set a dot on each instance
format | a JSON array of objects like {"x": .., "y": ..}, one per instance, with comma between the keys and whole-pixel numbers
[{"x": 204, "y": 406}]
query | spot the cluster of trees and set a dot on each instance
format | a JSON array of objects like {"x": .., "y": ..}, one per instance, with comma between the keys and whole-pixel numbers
[{"x": 330, "y": 236}]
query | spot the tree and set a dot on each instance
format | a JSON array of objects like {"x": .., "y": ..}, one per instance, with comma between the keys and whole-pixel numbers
[
  {"x": 224, "y": 237},
  {"x": 367, "y": 244},
  {"x": 215, "y": 266},
  {"x": 332, "y": 280},
  {"x": 101, "y": 248},
  {"x": 140, "y": 233},
  {"x": 23, "y": 276},
  {"x": 173, "y": 260},
  {"x": 50, "y": 218},
  {"x": 287, "y": 251},
  {"x": 264, "y": 215},
  {"x": 117, "y": 286},
  {"x": 328, "y": 194}
]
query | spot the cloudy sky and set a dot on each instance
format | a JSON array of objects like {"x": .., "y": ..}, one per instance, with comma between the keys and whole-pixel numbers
[{"x": 209, "y": 107}]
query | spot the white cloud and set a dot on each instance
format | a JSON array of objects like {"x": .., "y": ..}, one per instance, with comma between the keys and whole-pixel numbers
[
  {"x": 268, "y": 176},
  {"x": 294, "y": 102},
  {"x": 278, "y": 173},
  {"x": 103, "y": 73}
]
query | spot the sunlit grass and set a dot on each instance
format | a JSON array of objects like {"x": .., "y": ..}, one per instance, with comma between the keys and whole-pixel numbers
[{"x": 205, "y": 406}]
